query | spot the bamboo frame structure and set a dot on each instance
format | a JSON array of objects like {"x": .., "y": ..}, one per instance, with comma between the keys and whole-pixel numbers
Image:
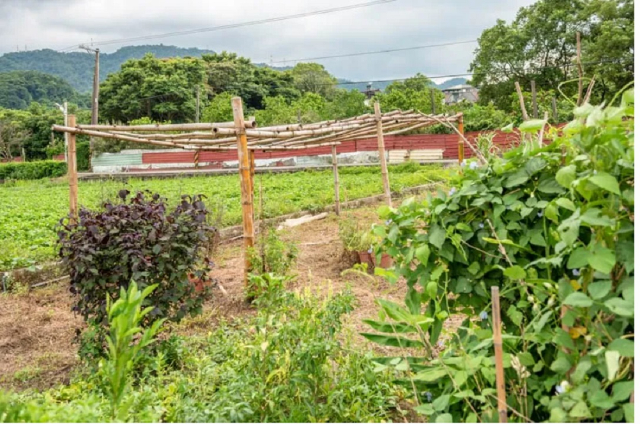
[
  {"x": 497, "y": 343},
  {"x": 244, "y": 137},
  {"x": 382, "y": 154}
]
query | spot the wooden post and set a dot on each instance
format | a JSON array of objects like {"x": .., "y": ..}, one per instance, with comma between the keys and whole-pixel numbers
[
  {"x": 245, "y": 183},
  {"x": 336, "y": 183},
  {"x": 460, "y": 140},
  {"x": 72, "y": 170},
  {"x": 554, "y": 109},
  {"x": 525, "y": 115},
  {"x": 534, "y": 100},
  {"x": 497, "y": 343},
  {"x": 383, "y": 158}
]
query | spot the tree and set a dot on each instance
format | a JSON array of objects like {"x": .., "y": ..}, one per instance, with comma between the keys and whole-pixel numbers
[
  {"x": 540, "y": 45},
  {"x": 161, "y": 89},
  {"x": 345, "y": 104},
  {"x": 18, "y": 89},
  {"x": 230, "y": 73},
  {"x": 313, "y": 78},
  {"x": 11, "y": 138},
  {"x": 219, "y": 109},
  {"x": 413, "y": 93}
]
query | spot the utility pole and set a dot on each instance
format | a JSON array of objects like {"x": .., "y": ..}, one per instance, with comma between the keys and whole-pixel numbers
[{"x": 96, "y": 90}]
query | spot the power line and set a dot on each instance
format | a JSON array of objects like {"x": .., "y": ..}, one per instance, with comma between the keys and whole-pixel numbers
[
  {"x": 375, "y": 52},
  {"x": 236, "y": 25}
]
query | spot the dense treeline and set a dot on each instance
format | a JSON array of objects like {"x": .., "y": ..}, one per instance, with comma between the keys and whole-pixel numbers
[{"x": 18, "y": 89}]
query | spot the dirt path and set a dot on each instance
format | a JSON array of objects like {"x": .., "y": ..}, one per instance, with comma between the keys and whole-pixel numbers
[{"x": 37, "y": 328}]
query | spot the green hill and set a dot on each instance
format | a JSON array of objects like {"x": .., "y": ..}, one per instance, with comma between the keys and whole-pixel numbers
[
  {"x": 19, "y": 88},
  {"x": 77, "y": 68}
]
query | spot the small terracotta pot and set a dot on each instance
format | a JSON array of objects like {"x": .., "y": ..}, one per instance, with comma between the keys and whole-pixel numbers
[
  {"x": 365, "y": 257},
  {"x": 386, "y": 261}
]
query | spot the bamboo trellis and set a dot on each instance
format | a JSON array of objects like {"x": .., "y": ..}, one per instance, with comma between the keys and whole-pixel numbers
[{"x": 244, "y": 136}]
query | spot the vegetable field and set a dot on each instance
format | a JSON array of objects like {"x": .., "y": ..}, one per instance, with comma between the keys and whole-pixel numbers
[{"x": 29, "y": 211}]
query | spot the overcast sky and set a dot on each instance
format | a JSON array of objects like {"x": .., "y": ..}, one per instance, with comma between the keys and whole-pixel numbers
[{"x": 57, "y": 24}]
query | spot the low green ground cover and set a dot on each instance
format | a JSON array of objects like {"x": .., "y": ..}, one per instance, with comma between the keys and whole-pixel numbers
[{"x": 29, "y": 210}]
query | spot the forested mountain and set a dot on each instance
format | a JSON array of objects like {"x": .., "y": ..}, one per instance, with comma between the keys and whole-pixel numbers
[
  {"x": 18, "y": 89},
  {"x": 77, "y": 67}
]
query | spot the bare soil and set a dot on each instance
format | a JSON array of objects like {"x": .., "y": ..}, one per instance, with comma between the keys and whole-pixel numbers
[{"x": 37, "y": 328}]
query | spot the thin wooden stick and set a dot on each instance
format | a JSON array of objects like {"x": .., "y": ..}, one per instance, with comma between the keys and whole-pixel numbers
[
  {"x": 579, "y": 63},
  {"x": 534, "y": 100},
  {"x": 383, "y": 159},
  {"x": 525, "y": 115},
  {"x": 497, "y": 343},
  {"x": 554, "y": 109},
  {"x": 336, "y": 183},
  {"x": 587, "y": 96},
  {"x": 541, "y": 134},
  {"x": 72, "y": 171},
  {"x": 167, "y": 127},
  {"x": 245, "y": 184}
]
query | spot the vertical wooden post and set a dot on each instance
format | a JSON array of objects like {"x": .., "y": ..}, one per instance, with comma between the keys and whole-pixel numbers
[
  {"x": 336, "y": 183},
  {"x": 383, "y": 158},
  {"x": 460, "y": 140},
  {"x": 72, "y": 170},
  {"x": 554, "y": 109},
  {"x": 497, "y": 343},
  {"x": 534, "y": 100},
  {"x": 579, "y": 63},
  {"x": 245, "y": 183}
]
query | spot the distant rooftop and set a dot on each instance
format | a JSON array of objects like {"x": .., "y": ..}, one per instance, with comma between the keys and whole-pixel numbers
[{"x": 458, "y": 87}]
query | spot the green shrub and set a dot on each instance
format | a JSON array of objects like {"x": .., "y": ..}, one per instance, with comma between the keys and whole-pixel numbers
[
  {"x": 553, "y": 229},
  {"x": 32, "y": 170},
  {"x": 82, "y": 156},
  {"x": 137, "y": 240},
  {"x": 272, "y": 254}
]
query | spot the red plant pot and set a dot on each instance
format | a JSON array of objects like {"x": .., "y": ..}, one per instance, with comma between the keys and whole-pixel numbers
[
  {"x": 365, "y": 257},
  {"x": 386, "y": 261}
]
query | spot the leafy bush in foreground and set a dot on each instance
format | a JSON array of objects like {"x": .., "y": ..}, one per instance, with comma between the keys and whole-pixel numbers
[
  {"x": 136, "y": 240},
  {"x": 553, "y": 228}
]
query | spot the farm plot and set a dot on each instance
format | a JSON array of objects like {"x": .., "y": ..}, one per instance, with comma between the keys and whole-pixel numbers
[{"x": 29, "y": 211}]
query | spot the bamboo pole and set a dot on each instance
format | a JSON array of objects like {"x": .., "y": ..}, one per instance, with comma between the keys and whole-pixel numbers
[
  {"x": 336, "y": 183},
  {"x": 383, "y": 158},
  {"x": 245, "y": 183},
  {"x": 72, "y": 172},
  {"x": 204, "y": 126},
  {"x": 497, "y": 343},
  {"x": 460, "y": 140},
  {"x": 525, "y": 115}
]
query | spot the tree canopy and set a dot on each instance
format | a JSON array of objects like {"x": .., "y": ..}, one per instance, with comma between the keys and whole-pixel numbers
[
  {"x": 540, "y": 45},
  {"x": 18, "y": 89}
]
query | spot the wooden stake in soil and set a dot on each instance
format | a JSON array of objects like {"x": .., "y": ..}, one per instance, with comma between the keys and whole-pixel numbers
[
  {"x": 460, "y": 140},
  {"x": 252, "y": 173},
  {"x": 245, "y": 183},
  {"x": 497, "y": 343},
  {"x": 383, "y": 159},
  {"x": 72, "y": 170},
  {"x": 554, "y": 109},
  {"x": 336, "y": 182}
]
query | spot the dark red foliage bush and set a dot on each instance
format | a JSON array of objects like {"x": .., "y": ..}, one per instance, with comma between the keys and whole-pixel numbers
[{"x": 138, "y": 240}]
